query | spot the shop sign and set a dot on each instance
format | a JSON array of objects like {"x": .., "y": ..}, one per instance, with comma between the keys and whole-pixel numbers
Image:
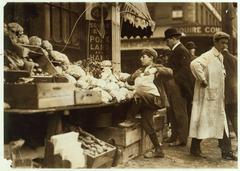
[
  {"x": 94, "y": 11},
  {"x": 100, "y": 48},
  {"x": 198, "y": 29}
]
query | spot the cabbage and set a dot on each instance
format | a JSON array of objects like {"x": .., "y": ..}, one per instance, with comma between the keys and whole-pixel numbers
[
  {"x": 15, "y": 27},
  {"x": 35, "y": 40},
  {"x": 70, "y": 78},
  {"x": 75, "y": 70},
  {"x": 23, "y": 39},
  {"x": 58, "y": 56},
  {"x": 47, "y": 45}
]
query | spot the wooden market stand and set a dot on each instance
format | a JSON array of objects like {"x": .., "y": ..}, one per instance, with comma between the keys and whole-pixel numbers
[
  {"x": 56, "y": 21},
  {"x": 54, "y": 124}
]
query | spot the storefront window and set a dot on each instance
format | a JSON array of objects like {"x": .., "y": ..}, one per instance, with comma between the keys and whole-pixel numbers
[
  {"x": 177, "y": 12},
  {"x": 63, "y": 17}
]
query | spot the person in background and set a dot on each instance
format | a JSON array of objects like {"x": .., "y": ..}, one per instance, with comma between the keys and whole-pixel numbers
[
  {"x": 149, "y": 96},
  {"x": 208, "y": 119},
  {"x": 230, "y": 64},
  {"x": 192, "y": 49},
  {"x": 177, "y": 111},
  {"x": 179, "y": 62}
]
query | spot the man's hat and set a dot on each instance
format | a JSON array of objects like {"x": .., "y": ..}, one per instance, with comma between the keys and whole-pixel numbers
[
  {"x": 171, "y": 32},
  {"x": 190, "y": 45},
  {"x": 150, "y": 52},
  {"x": 220, "y": 35}
]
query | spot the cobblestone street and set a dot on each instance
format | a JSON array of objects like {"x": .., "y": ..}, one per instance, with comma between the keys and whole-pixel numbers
[
  {"x": 178, "y": 157},
  {"x": 175, "y": 157}
]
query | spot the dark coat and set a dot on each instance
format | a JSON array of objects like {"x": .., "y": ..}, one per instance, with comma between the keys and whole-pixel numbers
[
  {"x": 230, "y": 64},
  {"x": 177, "y": 111},
  {"x": 179, "y": 61}
]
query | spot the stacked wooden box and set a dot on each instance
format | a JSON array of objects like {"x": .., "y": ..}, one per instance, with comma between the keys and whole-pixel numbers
[
  {"x": 83, "y": 97},
  {"x": 130, "y": 144},
  {"x": 127, "y": 140},
  {"x": 39, "y": 95},
  {"x": 53, "y": 158},
  {"x": 132, "y": 141}
]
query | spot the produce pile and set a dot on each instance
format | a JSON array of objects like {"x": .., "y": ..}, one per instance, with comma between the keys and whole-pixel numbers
[
  {"x": 87, "y": 74},
  {"x": 20, "y": 51},
  {"x": 91, "y": 145},
  {"x": 108, "y": 83},
  {"x": 16, "y": 56}
]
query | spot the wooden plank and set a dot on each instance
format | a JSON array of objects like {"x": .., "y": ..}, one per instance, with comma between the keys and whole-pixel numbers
[
  {"x": 121, "y": 136},
  {"x": 44, "y": 102},
  {"x": 55, "y": 89},
  {"x": 129, "y": 152},
  {"x": 41, "y": 95},
  {"x": 56, "y": 101},
  {"x": 34, "y": 103},
  {"x": 116, "y": 40},
  {"x": 15, "y": 91},
  {"x": 87, "y": 97},
  {"x": 60, "y": 108},
  {"x": 100, "y": 161}
]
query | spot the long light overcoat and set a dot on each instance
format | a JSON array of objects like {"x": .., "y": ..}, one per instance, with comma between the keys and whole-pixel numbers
[{"x": 208, "y": 118}]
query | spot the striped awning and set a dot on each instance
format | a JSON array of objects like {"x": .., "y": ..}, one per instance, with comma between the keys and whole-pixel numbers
[{"x": 136, "y": 20}]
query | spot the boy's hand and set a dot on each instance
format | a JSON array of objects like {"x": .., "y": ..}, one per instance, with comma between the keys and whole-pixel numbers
[{"x": 204, "y": 84}]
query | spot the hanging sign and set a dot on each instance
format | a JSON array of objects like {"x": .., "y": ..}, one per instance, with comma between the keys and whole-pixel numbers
[
  {"x": 100, "y": 47},
  {"x": 94, "y": 11}
]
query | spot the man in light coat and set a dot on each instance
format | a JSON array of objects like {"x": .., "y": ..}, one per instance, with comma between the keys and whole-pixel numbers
[{"x": 208, "y": 118}]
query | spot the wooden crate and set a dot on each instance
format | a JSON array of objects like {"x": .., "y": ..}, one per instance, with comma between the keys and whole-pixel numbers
[
  {"x": 129, "y": 152},
  {"x": 39, "y": 95},
  {"x": 13, "y": 76},
  {"x": 43, "y": 79},
  {"x": 87, "y": 97},
  {"x": 121, "y": 136},
  {"x": 103, "y": 160}
]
